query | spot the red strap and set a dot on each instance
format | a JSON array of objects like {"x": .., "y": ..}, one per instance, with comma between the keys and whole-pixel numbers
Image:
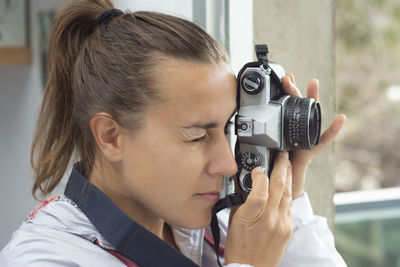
[
  {"x": 42, "y": 205},
  {"x": 210, "y": 240},
  {"x": 124, "y": 260}
]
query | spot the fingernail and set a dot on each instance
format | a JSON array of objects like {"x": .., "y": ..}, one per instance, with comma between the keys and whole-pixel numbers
[{"x": 259, "y": 169}]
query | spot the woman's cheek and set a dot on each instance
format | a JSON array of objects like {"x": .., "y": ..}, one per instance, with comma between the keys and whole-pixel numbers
[{"x": 172, "y": 161}]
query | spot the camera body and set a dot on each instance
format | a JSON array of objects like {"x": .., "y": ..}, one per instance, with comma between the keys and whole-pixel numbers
[{"x": 268, "y": 120}]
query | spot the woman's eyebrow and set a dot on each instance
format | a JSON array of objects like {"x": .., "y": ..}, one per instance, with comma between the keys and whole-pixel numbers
[{"x": 205, "y": 126}]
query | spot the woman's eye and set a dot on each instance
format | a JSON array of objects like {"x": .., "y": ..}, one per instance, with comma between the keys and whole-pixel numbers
[{"x": 199, "y": 139}]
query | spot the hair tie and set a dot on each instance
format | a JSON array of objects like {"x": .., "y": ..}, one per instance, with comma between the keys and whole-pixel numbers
[{"x": 108, "y": 15}]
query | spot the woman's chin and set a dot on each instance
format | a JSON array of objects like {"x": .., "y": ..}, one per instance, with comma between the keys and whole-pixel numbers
[{"x": 194, "y": 222}]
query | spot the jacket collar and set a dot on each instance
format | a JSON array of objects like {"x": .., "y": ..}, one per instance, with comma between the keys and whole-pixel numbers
[{"x": 128, "y": 237}]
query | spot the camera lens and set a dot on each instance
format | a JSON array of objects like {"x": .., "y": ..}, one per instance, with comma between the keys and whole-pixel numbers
[{"x": 302, "y": 123}]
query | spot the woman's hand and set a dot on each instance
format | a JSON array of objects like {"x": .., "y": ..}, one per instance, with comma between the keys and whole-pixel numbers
[
  {"x": 301, "y": 158},
  {"x": 261, "y": 228}
]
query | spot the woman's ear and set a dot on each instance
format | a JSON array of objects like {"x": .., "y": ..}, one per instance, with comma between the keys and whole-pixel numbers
[{"x": 107, "y": 133}]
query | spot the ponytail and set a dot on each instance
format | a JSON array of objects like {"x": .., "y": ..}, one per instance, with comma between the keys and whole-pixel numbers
[{"x": 55, "y": 136}]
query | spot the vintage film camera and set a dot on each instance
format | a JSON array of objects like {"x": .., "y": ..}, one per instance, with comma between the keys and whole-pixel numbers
[{"x": 268, "y": 120}]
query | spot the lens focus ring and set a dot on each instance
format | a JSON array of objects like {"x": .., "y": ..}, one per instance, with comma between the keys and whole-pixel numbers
[{"x": 302, "y": 123}]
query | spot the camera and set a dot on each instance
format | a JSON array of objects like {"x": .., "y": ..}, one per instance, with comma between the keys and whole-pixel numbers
[{"x": 268, "y": 120}]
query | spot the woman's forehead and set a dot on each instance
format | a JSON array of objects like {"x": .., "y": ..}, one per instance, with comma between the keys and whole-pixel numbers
[
  {"x": 197, "y": 90},
  {"x": 193, "y": 81}
]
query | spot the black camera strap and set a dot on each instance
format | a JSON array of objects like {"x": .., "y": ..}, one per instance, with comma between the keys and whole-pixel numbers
[
  {"x": 262, "y": 54},
  {"x": 227, "y": 202},
  {"x": 263, "y": 61}
]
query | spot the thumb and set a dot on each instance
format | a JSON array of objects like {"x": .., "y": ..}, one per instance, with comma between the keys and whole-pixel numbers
[{"x": 257, "y": 199}]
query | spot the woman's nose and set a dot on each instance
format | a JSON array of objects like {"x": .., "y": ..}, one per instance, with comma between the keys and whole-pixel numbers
[{"x": 222, "y": 161}]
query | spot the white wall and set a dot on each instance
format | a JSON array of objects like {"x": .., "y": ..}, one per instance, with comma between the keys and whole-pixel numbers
[
  {"x": 20, "y": 98},
  {"x": 241, "y": 40}
]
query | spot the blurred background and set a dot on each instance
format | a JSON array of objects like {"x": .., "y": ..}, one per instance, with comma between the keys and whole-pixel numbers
[
  {"x": 352, "y": 47},
  {"x": 368, "y": 83},
  {"x": 368, "y": 150}
]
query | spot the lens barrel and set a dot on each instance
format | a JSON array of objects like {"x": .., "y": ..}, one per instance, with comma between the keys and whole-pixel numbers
[{"x": 302, "y": 123}]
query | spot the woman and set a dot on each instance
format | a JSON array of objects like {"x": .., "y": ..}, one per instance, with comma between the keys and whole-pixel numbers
[{"x": 139, "y": 101}]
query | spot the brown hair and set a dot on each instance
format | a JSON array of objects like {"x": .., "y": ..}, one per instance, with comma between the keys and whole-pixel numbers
[{"x": 104, "y": 68}]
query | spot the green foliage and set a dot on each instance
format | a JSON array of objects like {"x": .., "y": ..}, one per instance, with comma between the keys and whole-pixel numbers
[
  {"x": 347, "y": 95},
  {"x": 368, "y": 63},
  {"x": 356, "y": 34},
  {"x": 377, "y": 3},
  {"x": 391, "y": 35},
  {"x": 344, "y": 5},
  {"x": 354, "y": 26},
  {"x": 382, "y": 86},
  {"x": 396, "y": 13}
]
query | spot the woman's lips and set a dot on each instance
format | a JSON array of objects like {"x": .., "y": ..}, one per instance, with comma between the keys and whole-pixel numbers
[{"x": 209, "y": 196}]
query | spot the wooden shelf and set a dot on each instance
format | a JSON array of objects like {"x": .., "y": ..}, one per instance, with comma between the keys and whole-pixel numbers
[{"x": 15, "y": 56}]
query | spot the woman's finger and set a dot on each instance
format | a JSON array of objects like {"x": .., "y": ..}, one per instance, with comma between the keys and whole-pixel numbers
[
  {"x": 259, "y": 179},
  {"x": 286, "y": 201},
  {"x": 258, "y": 197},
  {"x": 277, "y": 182},
  {"x": 289, "y": 87},
  {"x": 329, "y": 135},
  {"x": 313, "y": 89},
  {"x": 291, "y": 77}
]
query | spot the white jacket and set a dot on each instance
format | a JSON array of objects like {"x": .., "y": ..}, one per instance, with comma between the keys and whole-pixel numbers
[{"x": 58, "y": 233}]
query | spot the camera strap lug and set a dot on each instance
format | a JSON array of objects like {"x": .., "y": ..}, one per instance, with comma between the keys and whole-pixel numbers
[{"x": 262, "y": 56}]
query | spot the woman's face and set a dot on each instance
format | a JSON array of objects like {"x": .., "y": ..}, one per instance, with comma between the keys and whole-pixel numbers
[{"x": 174, "y": 165}]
